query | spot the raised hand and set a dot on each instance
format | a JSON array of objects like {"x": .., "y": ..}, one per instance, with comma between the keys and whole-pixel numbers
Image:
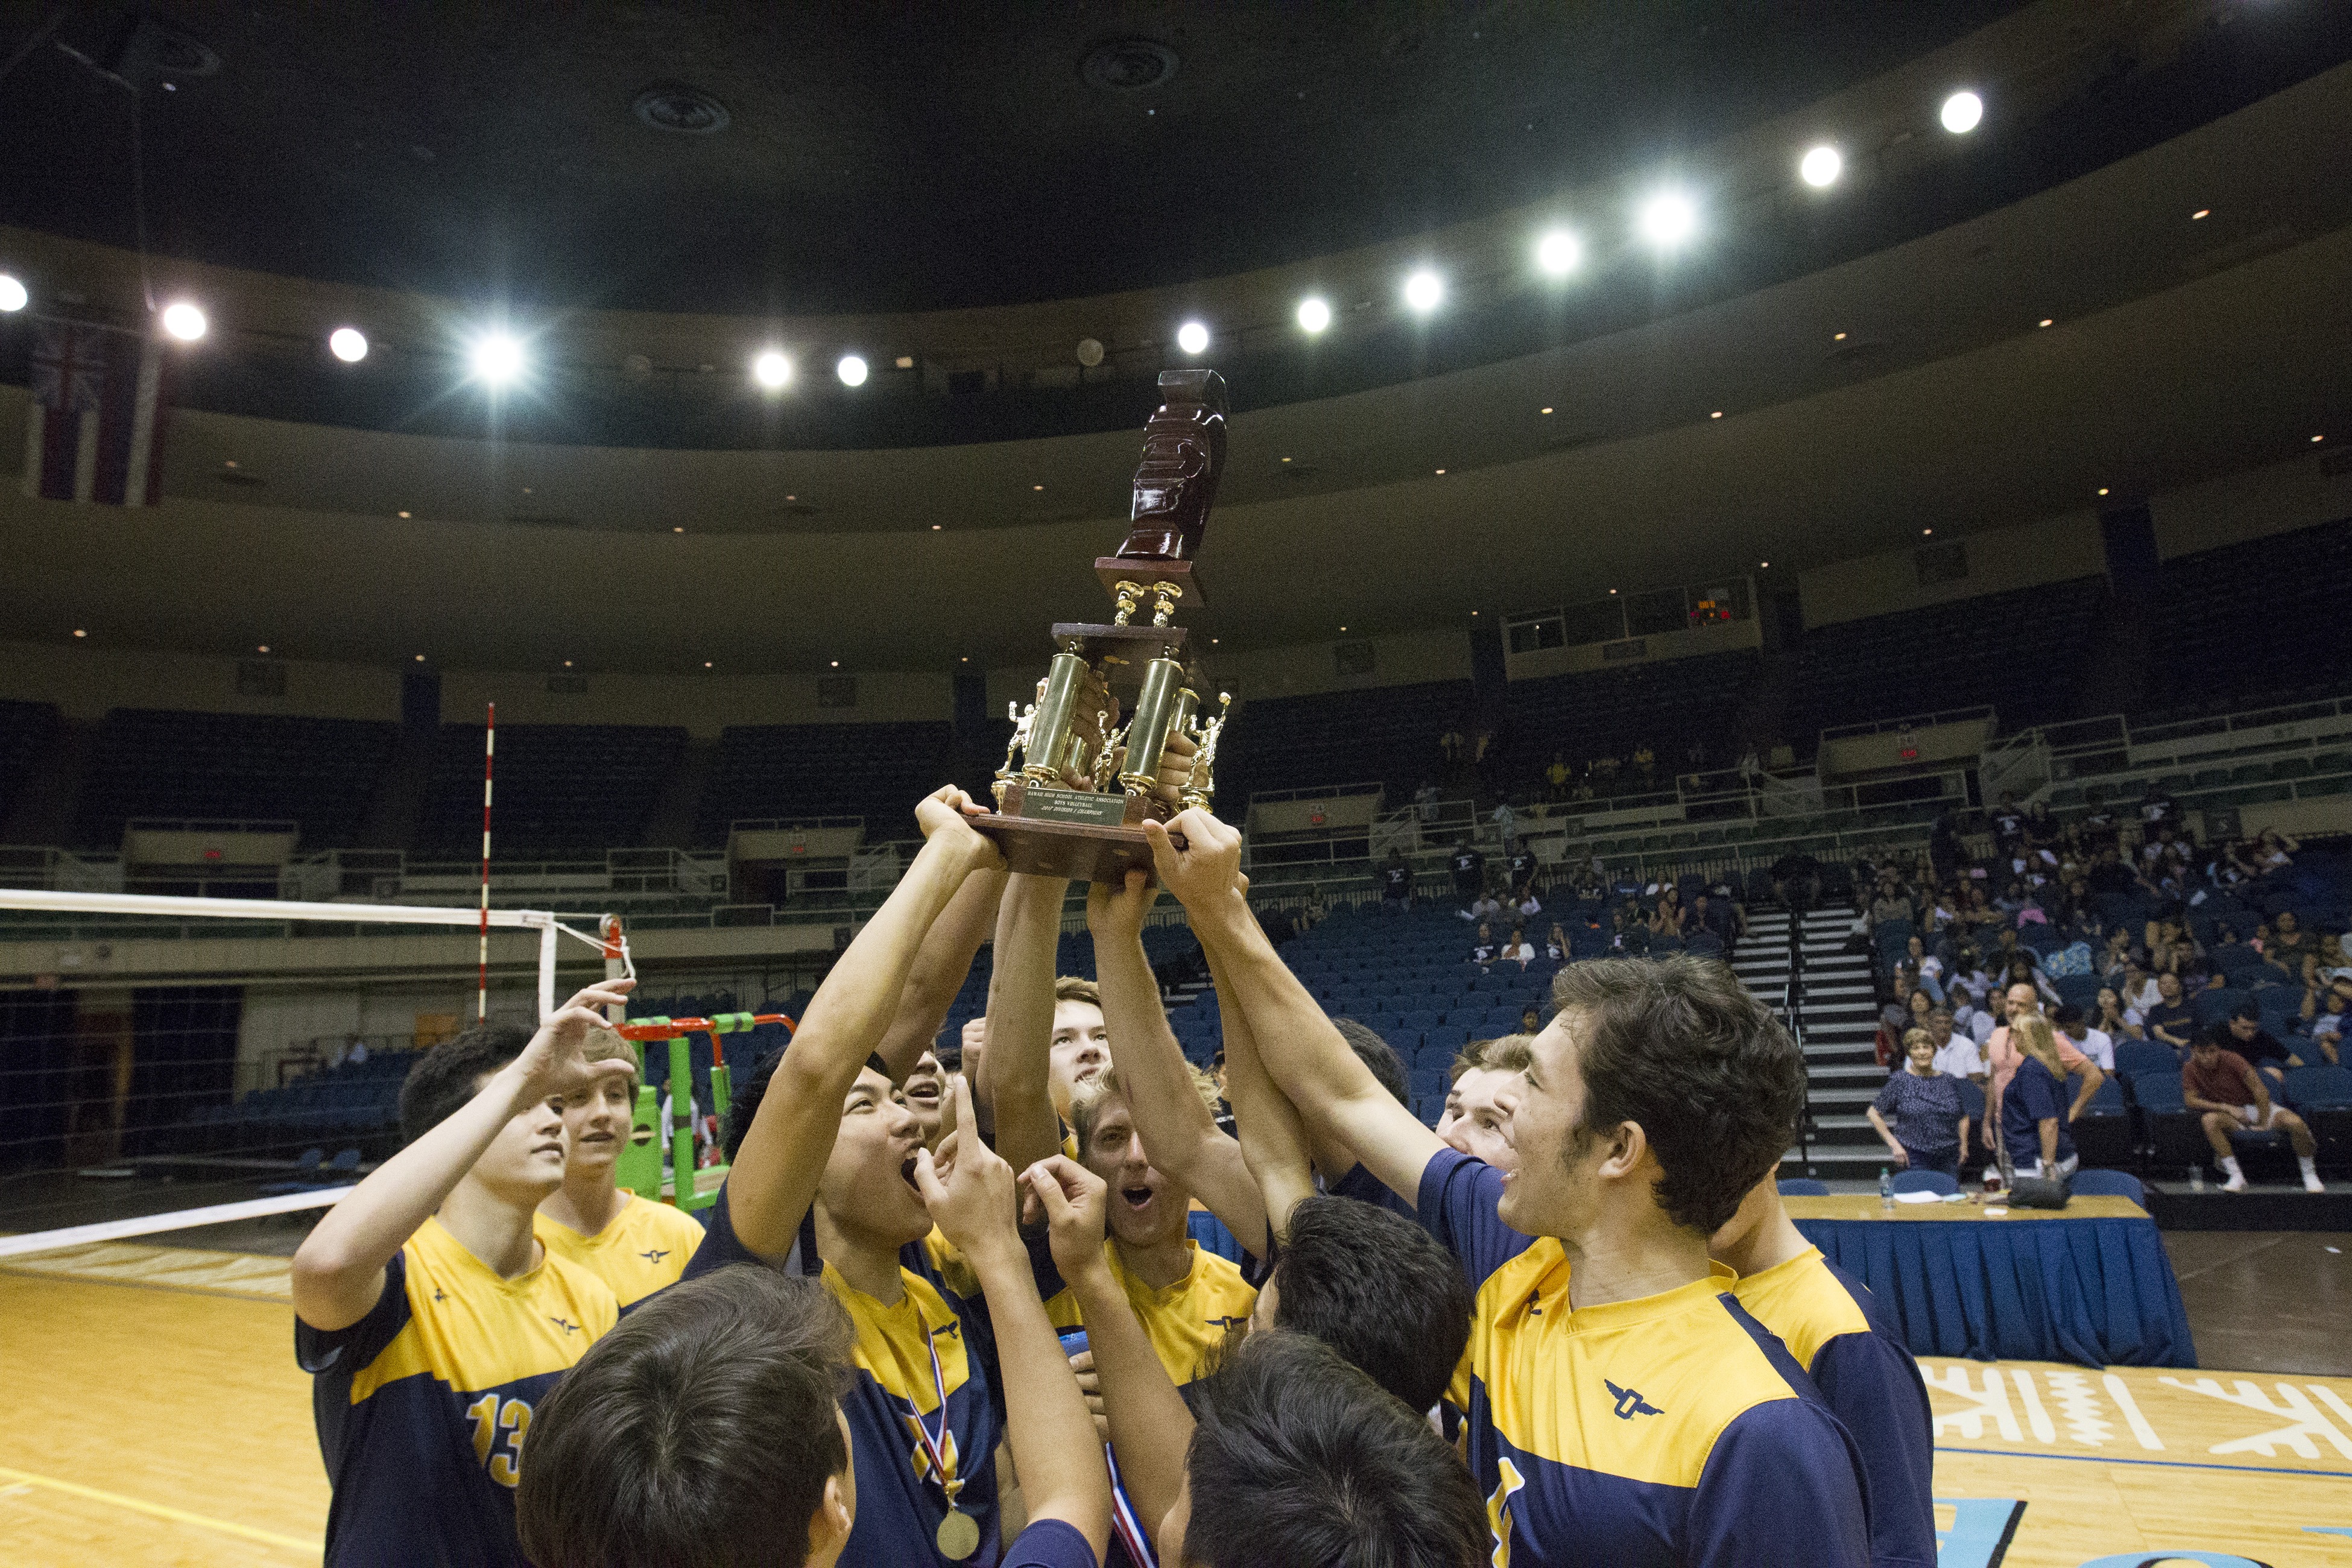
[
  {"x": 1076, "y": 1205},
  {"x": 554, "y": 1064},
  {"x": 1114, "y": 912},
  {"x": 945, "y": 816},
  {"x": 974, "y": 1204},
  {"x": 1202, "y": 871}
]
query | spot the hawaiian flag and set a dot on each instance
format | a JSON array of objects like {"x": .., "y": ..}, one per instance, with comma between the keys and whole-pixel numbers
[{"x": 95, "y": 429}]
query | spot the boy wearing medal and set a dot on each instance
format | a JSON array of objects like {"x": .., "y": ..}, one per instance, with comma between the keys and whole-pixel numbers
[{"x": 826, "y": 1177}]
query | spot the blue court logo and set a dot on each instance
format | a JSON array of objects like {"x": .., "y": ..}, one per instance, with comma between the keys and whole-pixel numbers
[{"x": 1630, "y": 1401}]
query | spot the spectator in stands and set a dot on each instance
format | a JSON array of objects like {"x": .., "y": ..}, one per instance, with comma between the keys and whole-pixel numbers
[
  {"x": 1604, "y": 773},
  {"x": 1629, "y": 931},
  {"x": 2230, "y": 1096},
  {"x": 2171, "y": 1019},
  {"x": 1668, "y": 923},
  {"x": 1517, "y": 949},
  {"x": 2003, "y": 1056},
  {"x": 2243, "y": 1034},
  {"x": 2096, "y": 1044},
  {"x": 1396, "y": 882},
  {"x": 1506, "y": 823},
  {"x": 2108, "y": 1017},
  {"x": 2289, "y": 943},
  {"x": 1927, "y": 966},
  {"x": 2007, "y": 824},
  {"x": 1469, "y": 872},
  {"x": 1931, "y": 1130},
  {"x": 2022, "y": 970},
  {"x": 1556, "y": 944},
  {"x": 1425, "y": 802},
  {"x": 1557, "y": 775},
  {"x": 2334, "y": 964},
  {"x": 1714, "y": 917},
  {"x": 1483, "y": 908},
  {"x": 2157, "y": 809},
  {"x": 1531, "y": 1019},
  {"x": 1645, "y": 764},
  {"x": 1483, "y": 949},
  {"x": 1891, "y": 903},
  {"x": 1956, "y": 1053},
  {"x": 1797, "y": 881},
  {"x": 2098, "y": 824},
  {"x": 2034, "y": 1113},
  {"x": 1524, "y": 904}
]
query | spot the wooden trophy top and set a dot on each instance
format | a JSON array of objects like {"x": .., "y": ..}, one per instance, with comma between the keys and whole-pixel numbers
[{"x": 1175, "y": 485}]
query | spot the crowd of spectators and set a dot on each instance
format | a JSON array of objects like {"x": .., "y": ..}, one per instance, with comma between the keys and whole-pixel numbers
[{"x": 2116, "y": 926}]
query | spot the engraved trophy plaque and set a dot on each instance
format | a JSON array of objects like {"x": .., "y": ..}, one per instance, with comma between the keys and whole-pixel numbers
[{"x": 1083, "y": 782}]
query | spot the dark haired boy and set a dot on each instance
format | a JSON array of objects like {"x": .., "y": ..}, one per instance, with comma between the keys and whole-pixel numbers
[
  {"x": 711, "y": 1431},
  {"x": 1624, "y": 1409},
  {"x": 430, "y": 1316}
]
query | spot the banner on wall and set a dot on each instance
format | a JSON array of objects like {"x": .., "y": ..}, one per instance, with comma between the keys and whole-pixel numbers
[{"x": 94, "y": 430}]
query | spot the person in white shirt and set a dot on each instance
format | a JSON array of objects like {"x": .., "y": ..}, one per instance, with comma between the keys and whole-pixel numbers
[
  {"x": 2095, "y": 1044},
  {"x": 1956, "y": 1054},
  {"x": 1989, "y": 1018},
  {"x": 1518, "y": 949}
]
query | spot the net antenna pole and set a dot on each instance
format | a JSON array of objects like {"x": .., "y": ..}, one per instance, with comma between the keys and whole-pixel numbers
[
  {"x": 616, "y": 962},
  {"x": 547, "y": 945}
]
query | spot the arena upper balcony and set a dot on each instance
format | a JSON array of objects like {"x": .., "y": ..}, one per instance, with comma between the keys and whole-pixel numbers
[{"x": 1963, "y": 326}]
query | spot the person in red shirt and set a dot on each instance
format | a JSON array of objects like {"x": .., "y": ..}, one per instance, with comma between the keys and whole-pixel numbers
[{"x": 2230, "y": 1095}]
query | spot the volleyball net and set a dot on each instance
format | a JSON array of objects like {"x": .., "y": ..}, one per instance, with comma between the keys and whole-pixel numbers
[{"x": 140, "y": 1096}]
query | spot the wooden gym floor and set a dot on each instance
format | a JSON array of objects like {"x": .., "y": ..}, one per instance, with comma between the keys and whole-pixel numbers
[{"x": 155, "y": 1415}]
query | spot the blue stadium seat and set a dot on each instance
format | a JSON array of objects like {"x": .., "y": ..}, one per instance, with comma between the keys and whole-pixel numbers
[
  {"x": 2317, "y": 1087},
  {"x": 1803, "y": 1187},
  {"x": 2134, "y": 1057},
  {"x": 2090, "y": 1183},
  {"x": 1925, "y": 1181}
]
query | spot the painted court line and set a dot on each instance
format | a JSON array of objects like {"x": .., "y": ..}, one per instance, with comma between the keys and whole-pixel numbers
[
  {"x": 2158, "y": 1464},
  {"x": 161, "y": 1510}
]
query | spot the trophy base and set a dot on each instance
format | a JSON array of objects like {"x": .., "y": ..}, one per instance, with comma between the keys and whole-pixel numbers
[{"x": 1081, "y": 834}]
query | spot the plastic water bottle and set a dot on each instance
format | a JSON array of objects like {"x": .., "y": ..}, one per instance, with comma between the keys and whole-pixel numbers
[
  {"x": 1885, "y": 1188},
  {"x": 2196, "y": 1178}
]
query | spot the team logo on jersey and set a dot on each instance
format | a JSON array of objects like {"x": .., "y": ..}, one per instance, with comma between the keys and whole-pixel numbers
[
  {"x": 566, "y": 1324},
  {"x": 1630, "y": 1401},
  {"x": 1228, "y": 1324},
  {"x": 655, "y": 1255}
]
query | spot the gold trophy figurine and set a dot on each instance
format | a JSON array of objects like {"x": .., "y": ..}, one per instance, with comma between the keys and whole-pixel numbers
[{"x": 1058, "y": 814}]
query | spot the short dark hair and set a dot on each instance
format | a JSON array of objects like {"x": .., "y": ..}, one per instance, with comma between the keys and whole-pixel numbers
[
  {"x": 2246, "y": 1010},
  {"x": 743, "y": 1102},
  {"x": 699, "y": 1434},
  {"x": 1376, "y": 1054},
  {"x": 1298, "y": 1458},
  {"x": 1379, "y": 1290},
  {"x": 1679, "y": 1046},
  {"x": 451, "y": 1073},
  {"x": 2067, "y": 1014}
]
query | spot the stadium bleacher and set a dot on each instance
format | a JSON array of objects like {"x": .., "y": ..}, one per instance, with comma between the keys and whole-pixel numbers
[
  {"x": 156, "y": 763},
  {"x": 2254, "y": 620},
  {"x": 2018, "y": 651},
  {"x": 1668, "y": 703},
  {"x": 559, "y": 787},
  {"x": 874, "y": 770},
  {"x": 27, "y": 730},
  {"x": 1389, "y": 734}
]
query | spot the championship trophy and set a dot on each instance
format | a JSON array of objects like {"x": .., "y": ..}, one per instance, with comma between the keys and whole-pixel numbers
[{"x": 1086, "y": 782}]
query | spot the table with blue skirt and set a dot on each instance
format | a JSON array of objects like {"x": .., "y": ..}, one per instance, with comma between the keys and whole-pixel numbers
[{"x": 2088, "y": 1283}]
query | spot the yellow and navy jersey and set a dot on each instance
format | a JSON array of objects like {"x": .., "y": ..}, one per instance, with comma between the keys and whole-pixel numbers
[
  {"x": 422, "y": 1406},
  {"x": 644, "y": 1249},
  {"x": 893, "y": 1397},
  {"x": 1833, "y": 1326},
  {"x": 1186, "y": 1321},
  {"x": 1669, "y": 1431}
]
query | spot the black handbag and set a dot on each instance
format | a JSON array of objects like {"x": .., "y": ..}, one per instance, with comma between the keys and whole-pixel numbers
[{"x": 2033, "y": 1191}]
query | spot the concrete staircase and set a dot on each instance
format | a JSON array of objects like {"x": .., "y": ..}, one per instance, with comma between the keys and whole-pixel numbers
[{"x": 1835, "y": 1019}]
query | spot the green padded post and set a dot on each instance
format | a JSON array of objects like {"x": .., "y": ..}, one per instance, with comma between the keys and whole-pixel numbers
[
  {"x": 681, "y": 1123},
  {"x": 638, "y": 1169}
]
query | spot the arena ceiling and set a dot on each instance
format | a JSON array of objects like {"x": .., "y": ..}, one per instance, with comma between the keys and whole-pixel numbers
[
  {"x": 882, "y": 156},
  {"x": 2180, "y": 347}
]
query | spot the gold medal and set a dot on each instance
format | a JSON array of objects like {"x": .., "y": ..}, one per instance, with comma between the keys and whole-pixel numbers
[{"x": 959, "y": 1535}]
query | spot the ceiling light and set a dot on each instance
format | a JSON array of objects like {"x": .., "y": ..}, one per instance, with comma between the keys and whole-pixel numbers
[
  {"x": 2044, "y": 321},
  {"x": 2317, "y": 439},
  {"x": 1193, "y": 337},
  {"x": 1314, "y": 315},
  {"x": 706, "y": 664},
  {"x": 1925, "y": 531},
  {"x": 1441, "y": 470},
  {"x": 678, "y": 531},
  {"x": 852, "y": 371},
  {"x": 13, "y": 297},
  {"x": 935, "y": 528},
  {"x": 1763, "y": 563},
  {"x": 837, "y": 664},
  {"x": 420, "y": 658},
  {"x": 1423, "y": 291},
  {"x": 1558, "y": 252},
  {"x": 348, "y": 344},
  {"x": 1543, "y": 410},
  {"x": 1821, "y": 166},
  {"x": 263, "y": 648},
  {"x": 404, "y": 514},
  {"x": 2200, "y": 212},
  {"x": 2103, "y": 489},
  {"x": 1667, "y": 220},
  {"x": 1343, "y": 628},
  {"x": 1962, "y": 111},
  {"x": 904, "y": 362},
  {"x": 567, "y": 663},
  {"x": 496, "y": 359},
  {"x": 1717, "y": 415},
  {"x": 771, "y": 370},
  {"x": 80, "y": 633},
  {"x": 183, "y": 322},
  {"x": 1837, "y": 337},
  {"x": 1036, "y": 486},
  {"x": 1474, "y": 612}
]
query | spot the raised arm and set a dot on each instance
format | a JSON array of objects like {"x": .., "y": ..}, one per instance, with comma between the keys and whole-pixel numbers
[
  {"x": 1178, "y": 1133},
  {"x": 1017, "y": 1070},
  {"x": 939, "y": 971},
  {"x": 2093, "y": 1076},
  {"x": 1054, "y": 1451},
  {"x": 776, "y": 1172},
  {"x": 1273, "y": 1136},
  {"x": 1305, "y": 1055},
  {"x": 337, "y": 1272},
  {"x": 1150, "y": 1425}
]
